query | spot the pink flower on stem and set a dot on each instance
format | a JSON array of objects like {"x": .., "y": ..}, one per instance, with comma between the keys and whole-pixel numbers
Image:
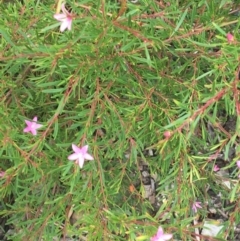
[
  {"x": 196, "y": 206},
  {"x": 161, "y": 236},
  {"x": 230, "y": 38},
  {"x": 2, "y": 174},
  {"x": 65, "y": 17},
  {"x": 32, "y": 126},
  {"x": 79, "y": 155},
  {"x": 216, "y": 168}
]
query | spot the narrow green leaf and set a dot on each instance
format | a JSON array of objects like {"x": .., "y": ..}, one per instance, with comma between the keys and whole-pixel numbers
[
  {"x": 180, "y": 22},
  {"x": 53, "y": 26},
  {"x": 52, "y": 91},
  {"x": 6, "y": 37},
  {"x": 219, "y": 29}
]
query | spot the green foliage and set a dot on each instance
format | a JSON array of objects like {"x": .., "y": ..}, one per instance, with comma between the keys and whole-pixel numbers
[{"x": 116, "y": 82}]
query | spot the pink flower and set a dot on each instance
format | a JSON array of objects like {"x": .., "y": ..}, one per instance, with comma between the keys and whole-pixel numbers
[
  {"x": 230, "y": 38},
  {"x": 216, "y": 168},
  {"x": 32, "y": 126},
  {"x": 238, "y": 164},
  {"x": 167, "y": 134},
  {"x": 65, "y": 17},
  {"x": 160, "y": 236},
  {"x": 80, "y": 154},
  {"x": 2, "y": 174},
  {"x": 195, "y": 206}
]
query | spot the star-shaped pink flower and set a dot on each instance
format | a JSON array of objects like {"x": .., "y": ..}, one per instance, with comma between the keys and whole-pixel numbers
[
  {"x": 65, "y": 17},
  {"x": 32, "y": 126},
  {"x": 80, "y": 154},
  {"x": 161, "y": 236},
  {"x": 196, "y": 206}
]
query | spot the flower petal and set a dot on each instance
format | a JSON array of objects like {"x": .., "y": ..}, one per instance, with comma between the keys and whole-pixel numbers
[
  {"x": 28, "y": 123},
  {"x": 63, "y": 26},
  {"x": 199, "y": 204},
  {"x": 27, "y": 129},
  {"x": 88, "y": 157},
  {"x": 73, "y": 157},
  {"x": 37, "y": 126},
  {"x": 238, "y": 164},
  {"x": 60, "y": 17},
  {"x": 64, "y": 10},
  {"x": 76, "y": 149},
  {"x": 84, "y": 149},
  {"x": 160, "y": 236},
  {"x": 166, "y": 236},
  {"x": 80, "y": 161},
  {"x": 216, "y": 168},
  {"x": 159, "y": 232},
  {"x": 2, "y": 174},
  {"x": 69, "y": 24},
  {"x": 33, "y": 131}
]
